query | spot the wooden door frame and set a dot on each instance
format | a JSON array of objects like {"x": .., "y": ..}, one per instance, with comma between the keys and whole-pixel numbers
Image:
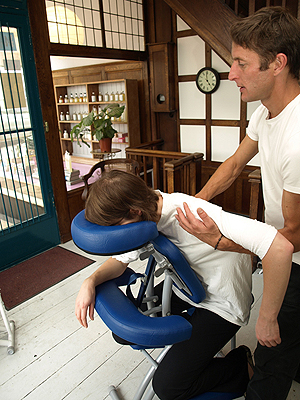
[
  {"x": 42, "y": 50},
  {"x": 40, "y": 41}
]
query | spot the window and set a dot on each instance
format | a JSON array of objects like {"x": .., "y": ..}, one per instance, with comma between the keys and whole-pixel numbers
[{"x": 115, "y": 24}]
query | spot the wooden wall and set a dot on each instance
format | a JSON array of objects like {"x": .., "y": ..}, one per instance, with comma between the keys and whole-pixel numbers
[{"x": 110, "y": 71}]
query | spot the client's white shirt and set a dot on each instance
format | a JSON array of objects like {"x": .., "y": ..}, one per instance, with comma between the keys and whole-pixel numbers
[{"x": 226, "y": 276}]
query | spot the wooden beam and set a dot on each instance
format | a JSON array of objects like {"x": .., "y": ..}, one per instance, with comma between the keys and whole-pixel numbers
[
  {"x": 69, "y": 50},
  {"x": 214, "y": 30},
  {"x": 37, "y": 16}
]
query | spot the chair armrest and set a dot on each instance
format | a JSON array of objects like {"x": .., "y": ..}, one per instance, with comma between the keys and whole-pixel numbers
[{"x": 127, "y": 322}]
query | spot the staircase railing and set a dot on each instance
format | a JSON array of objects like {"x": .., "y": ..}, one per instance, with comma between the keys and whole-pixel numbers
[
  {"x": 168, "y": 171},
  {"x": 243, "y": 8}
]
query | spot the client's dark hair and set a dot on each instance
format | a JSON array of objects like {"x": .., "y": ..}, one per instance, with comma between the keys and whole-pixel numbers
[{"x": 113, "y": 197}]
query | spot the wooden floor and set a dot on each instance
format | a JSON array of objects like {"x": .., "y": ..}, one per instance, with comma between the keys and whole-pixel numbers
[{"x": 56, "y": 358}]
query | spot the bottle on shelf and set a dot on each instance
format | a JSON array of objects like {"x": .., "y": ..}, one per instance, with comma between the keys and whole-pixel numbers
[
  {"x": 66, "y": 135},
  {"x": 112, "y": 96},
  {"x": 88, "y": 135},
  {"x": 68, "y": 116},
  {"x": 76, "y": 99},
  {"x": 66, "y": 98},
  {"x": 79, "y": 116},
  {"x": 60, "y": 100},
  {"x": 80, "y": 98},
  {"x": 74, "y": 116},
  {"x": 106, "y": 97},
  {"x": 94, "y": 109},
  {"x": 62, "y": 116},
  {"x": 85, "y": 98},
  {"x": 71, "y": 98},
  {"x": 117, "y": 96},
  {"x": 93, "y": 97},
  {"x": 122, "y": 96},
  {"x": 99, "y": 109},
  {"x": 100, "y": 97}
]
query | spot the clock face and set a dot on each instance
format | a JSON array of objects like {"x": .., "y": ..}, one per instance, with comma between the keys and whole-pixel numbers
[{"x": 207, "y": 80}]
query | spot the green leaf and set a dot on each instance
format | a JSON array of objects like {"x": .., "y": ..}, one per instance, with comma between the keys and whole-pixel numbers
[
  {"x": 116, "y": 111},
  {"x": 88, "y": 120},
  {"x": 99, "y": 123}
]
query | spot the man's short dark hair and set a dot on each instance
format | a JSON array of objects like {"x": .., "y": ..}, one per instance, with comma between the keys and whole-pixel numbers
[{"x": 269, "y": 31}]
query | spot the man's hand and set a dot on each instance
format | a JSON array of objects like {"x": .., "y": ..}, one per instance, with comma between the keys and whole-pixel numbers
[
  {"x": 205, "y": 229},
  {"x": 267, "y": 332}
]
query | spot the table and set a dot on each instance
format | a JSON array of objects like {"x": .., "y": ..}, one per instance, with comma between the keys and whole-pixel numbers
[{"x": 99, "y": 154}]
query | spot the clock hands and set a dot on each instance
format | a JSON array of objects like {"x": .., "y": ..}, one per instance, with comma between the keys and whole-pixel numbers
[{"x": 207, "y": 80}]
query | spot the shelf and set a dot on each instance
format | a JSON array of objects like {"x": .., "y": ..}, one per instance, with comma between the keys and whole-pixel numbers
[
  {"x": 77, "y": 122},
  {"x": 91, "y": 102},
  {"x": 130, "y": 126}
]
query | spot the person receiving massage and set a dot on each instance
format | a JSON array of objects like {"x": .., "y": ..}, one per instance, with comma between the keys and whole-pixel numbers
[{"x": 190, "y": 367}]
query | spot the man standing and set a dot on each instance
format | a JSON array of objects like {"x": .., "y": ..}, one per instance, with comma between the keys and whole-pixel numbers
[{"x": 266, "y": 65}]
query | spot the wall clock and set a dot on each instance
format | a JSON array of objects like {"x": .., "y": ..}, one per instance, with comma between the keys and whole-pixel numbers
[{"x": 207, "y": 80}]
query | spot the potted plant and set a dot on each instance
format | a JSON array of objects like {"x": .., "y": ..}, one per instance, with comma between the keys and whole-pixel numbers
[{"x": 100, "y": 126}]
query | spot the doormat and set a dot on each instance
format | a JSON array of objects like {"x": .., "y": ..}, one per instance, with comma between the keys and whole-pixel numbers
[{"x": 31, "y": 277}]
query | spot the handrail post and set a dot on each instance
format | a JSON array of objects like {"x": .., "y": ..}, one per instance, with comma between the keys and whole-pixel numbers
[{"x": 256, "y": 202}]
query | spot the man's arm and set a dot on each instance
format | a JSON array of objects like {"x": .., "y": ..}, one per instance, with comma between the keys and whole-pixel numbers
[
  {"x": 229, "y": 170},
  {"x": 291, "y": 214},
  {"x": 277, "y": 268},
  {"x": 206, "y": 230}
]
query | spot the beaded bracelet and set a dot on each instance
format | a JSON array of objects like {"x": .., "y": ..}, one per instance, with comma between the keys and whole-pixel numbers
[{"x": 216, "y": 246}]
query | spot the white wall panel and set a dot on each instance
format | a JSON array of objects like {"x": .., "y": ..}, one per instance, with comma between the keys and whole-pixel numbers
[
  {"x": 224, "y": 142},
  {"x": 226, "y": 101},
  {"x": 190, "y": 55},
  {"x": 181, "y": 25},
  {"x": 192, "y": 139},
  {"x": 191, "y": 101},
  {"x": 218, "y": 63}
]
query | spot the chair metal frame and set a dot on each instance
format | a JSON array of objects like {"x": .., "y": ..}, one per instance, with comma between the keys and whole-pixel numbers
[{"x": 10, "y": 330}]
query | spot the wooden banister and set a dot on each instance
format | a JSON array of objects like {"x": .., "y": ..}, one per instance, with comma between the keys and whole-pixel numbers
[
  {"x": 147, "y": 145},
  {"x": 187, "y": 171},
  {"x": 168, "y": 170},
  {"x": 256, "y": 198}
]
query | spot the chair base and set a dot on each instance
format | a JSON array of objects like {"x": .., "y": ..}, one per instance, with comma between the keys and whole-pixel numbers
[
  {"x": 141, "y": 393},
  {"x": 10, "y": 329},
  {"x": 205, "y": 396},
  {"x": 218, "y": 396}
]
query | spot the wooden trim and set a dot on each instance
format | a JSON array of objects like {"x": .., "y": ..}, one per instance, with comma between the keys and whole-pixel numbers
[
  {"x": 58, "y": 49},
  {"x": 37, "y": 14},
  {"x": 198, "y": 14},
  {"x": 186, "y": 33}
]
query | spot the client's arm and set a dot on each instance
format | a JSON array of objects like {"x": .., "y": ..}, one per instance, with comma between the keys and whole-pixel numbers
[{"x": 85, "y": 301}]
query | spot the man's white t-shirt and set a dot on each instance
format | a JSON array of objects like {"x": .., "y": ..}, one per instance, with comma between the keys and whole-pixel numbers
[
  {"x": 226, "y": 276},
  {"x": 279, "y": 148}
]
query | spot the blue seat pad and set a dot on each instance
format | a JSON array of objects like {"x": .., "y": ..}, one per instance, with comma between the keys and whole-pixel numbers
[{"x": 126, "y": 321}]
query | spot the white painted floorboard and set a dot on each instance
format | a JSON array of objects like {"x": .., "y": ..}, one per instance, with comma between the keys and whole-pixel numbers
[{"x": 57, "y": 359}]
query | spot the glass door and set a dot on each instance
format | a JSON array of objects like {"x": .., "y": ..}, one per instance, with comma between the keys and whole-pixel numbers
[{"x": 28, "y": 222}]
